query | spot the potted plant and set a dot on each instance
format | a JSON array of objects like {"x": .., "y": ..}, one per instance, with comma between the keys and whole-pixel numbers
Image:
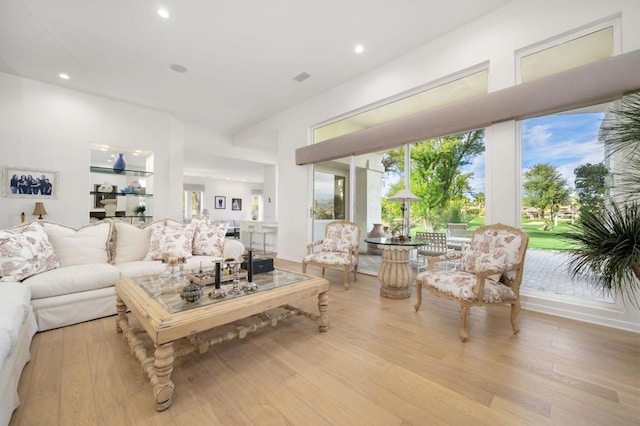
[
  {"x": 607, "y": 241},
  {"x": 140, "y": 210}
]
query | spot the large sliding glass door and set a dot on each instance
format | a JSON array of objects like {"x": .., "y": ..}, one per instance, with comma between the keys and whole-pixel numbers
[{"x": 330, "y": 194}]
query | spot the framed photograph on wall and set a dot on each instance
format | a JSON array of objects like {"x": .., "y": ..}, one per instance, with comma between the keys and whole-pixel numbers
[
  {"x": 236, "y": 204},
  {"x": 221, "y": 202},
  {"x": 21, "y": 182}
]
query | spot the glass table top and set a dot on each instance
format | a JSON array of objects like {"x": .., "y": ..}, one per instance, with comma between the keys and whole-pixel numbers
[
  {"x": 167, "y": 289},
  {"x": 396, "y": 242}
]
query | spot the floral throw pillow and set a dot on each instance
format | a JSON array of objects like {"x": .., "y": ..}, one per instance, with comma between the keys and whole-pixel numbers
[
  {"x": 473, "y": 261},
  {"x": 209, "y": 239},
  {"x": 174, "y": 239},
  {"x": 24, "y": 252}
]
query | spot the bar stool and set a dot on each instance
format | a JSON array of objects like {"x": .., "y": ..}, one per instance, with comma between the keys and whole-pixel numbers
[
  {"x": 264, "y": 229},
  {"x": 249, "y": 228}
]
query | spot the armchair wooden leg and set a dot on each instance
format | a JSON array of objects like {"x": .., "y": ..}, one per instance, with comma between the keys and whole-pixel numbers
[
  {"x": 419, "y": 295},
  {"x": 355, "y": 273},
  {"x": 346, "y": 278},
  {"x": 322, "y": 272},
  {"x": 304, "y": 267},
  {"x": 464, "y": 325},
  {"x": 515, "y": 310}
]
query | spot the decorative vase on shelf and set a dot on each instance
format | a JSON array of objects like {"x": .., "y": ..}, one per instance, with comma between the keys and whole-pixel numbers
[
  {"x": 105, "y": 187},
  {"x": 119, "y": 164},
  {"x": 109, "y": 207}
]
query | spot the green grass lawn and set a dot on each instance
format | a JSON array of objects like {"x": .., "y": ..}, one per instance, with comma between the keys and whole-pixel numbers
[{"x": 549, "y": 239}]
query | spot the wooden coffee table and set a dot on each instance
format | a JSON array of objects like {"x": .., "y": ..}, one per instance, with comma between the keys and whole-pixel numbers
[{"x": 156, "y": 303}]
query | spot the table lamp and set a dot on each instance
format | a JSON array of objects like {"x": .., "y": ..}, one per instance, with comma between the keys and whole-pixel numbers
[
  {"x": 405, "y": 196},
  {"x": 39, "y": 210}
]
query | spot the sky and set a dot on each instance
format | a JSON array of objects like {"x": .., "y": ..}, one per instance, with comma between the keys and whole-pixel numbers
[{"x": 562, "y": 140}]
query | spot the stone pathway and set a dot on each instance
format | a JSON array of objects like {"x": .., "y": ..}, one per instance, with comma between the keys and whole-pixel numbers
[{"x": 544, "y": 273}]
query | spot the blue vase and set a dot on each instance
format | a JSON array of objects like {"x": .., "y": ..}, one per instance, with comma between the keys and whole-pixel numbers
[{"x": 120, "y": 164}]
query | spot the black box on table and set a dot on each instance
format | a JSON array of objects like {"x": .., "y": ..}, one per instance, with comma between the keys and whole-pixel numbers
[{"x": 260, "y": 264}]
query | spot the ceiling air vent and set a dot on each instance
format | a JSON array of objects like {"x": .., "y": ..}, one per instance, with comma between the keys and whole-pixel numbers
[{"x": 301, "y": 77}]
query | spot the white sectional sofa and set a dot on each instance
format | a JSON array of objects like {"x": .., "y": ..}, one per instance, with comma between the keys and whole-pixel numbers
[{"x": 52, "y": 276}]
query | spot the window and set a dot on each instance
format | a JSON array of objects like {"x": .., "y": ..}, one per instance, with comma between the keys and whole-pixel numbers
[
  {"x": 559, "y": 55},
  {"x": 193, "y": 196},
  {"x": 440, "y": 95}
]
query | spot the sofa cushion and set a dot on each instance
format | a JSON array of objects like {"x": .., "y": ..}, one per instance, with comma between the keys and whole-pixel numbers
[
  {"x": 16, "y": 293},
  {"x": 86, "y": 245},
  {"x": 141, "y": 267},
  {"x": 25, "y": 251},
  {"x": 72, "y": 279},
  {"x": 173, "y": 239},
  {"x": 131, "y": 242},
  {"x": 5, "y": 345},
  {"x": 209, "y": 239},
  {"x": 11, "y": 319}
]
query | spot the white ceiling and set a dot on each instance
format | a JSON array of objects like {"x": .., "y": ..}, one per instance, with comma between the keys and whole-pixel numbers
[{"x": 241, "y": 55}]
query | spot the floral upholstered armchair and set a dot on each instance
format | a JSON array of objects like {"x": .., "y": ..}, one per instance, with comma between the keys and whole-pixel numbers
[
  {"x": 338, "y": 249},
  {"x": 489, "y": 272}
]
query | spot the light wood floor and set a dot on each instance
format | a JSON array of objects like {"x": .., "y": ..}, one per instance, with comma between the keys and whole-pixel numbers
[{"x": 380, "y": 363}]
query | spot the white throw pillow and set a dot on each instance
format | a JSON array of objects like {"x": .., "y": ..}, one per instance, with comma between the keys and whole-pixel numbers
[
  {"x": 209, "y": 239},
  {"x": 131, "y": 242},
  {"x": 24, "y": 252},
  {"x": 89, "y": 244}
]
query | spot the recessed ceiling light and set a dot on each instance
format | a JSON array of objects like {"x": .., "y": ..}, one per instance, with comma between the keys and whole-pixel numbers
[
  {"x": 163, "y": 13},
  {"x": 302, "y": 77},
  {"x": 178, "y": 68},
  {"x": 64, "y": 76},
  {"x": 359, "y": 49}
]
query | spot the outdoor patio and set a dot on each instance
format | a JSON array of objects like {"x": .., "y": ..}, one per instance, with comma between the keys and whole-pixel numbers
[{"x": 544, "y": 272}]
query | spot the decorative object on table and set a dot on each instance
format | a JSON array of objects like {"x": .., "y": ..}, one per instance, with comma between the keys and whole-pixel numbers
[
  {"x": 259, "y": 265},
  {"x": 22, "y": 217},
  {"x": 191, "y": 293},
  {"x": 249, "y": 266},
  {"x": 21, "y": 182},
  {"x": 103, "y": 195},
  {"x": 376, "y": 232},
  {"x": 120, "y": 164},
  {"x": 236, "y": 204},
  {"x": 405, "y": 197},
  {"x": 39, "y": 210},
  {"x": 220, "y": 202},
  {"x": 235, "y": 271}
]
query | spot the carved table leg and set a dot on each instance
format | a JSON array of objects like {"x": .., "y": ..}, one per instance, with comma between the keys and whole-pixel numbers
[
  {"x": 323, "y": 304},
  {"x": 162, "y": 385},
  {"x": 121, "y": 309}
]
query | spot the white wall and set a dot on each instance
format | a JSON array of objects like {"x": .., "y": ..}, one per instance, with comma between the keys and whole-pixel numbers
[
  {"x": 494, "y": 39},
  {"x": 230, "y": 190},
  {"x": 48, "y": 127}
]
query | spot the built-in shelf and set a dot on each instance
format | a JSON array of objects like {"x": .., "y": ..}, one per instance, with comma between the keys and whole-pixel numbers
[
  {"x": 107, "y": 170},
  {"x": 125, "y": 205},
  {"x": 120, "y": 194}
]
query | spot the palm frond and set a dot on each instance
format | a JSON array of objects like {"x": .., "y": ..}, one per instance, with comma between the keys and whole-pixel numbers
[{"x": 607, "y": 245}]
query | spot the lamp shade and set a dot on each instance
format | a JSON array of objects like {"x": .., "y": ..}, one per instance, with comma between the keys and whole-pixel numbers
[
  {"x": 403, "y": 195},
  {"x": 39, "y": 210}
]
